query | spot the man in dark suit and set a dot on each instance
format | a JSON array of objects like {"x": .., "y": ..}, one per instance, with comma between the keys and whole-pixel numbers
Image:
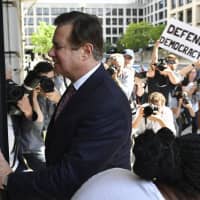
[{"x": 87, "y": 134}]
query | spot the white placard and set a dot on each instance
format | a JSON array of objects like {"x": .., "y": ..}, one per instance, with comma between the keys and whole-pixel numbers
[{"x": 181, "y": 39}]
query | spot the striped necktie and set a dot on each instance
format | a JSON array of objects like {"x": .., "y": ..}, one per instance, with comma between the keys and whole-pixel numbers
[{"x": 67, "y": 96}]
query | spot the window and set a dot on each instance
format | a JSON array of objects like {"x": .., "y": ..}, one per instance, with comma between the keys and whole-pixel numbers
[
  {"x": 134, "y": 12},
  {"x": 140, "y": 20},
  {"x": 156, "y": 6},
  {"x": 46, "y": 19},
  {"x": 107, "y": 21},
  {"x": 108, "y": 40},
  {"x": 38, "y": 20},
  {"x": 46, "y": 11},
  {"x": 30, "y": 21},
  {"x": 100, "y": 11},
  {"x": 38, "y": 11},
  {"x": 180, "y": 16},
  {"x": 115, "y": 40},
  {"x": 108, "y": 11},
  {"x": 121, "y": 31},
  {"x": 30, "y": 31},
  {"x": 128, "y": 12},
  {"x": 173, "y": 3},
  {"x": 114, "y": 31},
  {"x": 121, "y": 21},
  {"x": 114, "y": 21},
  {"x": 180, "y": 2},
  {"x": 189, "y": 15},
  {"x": 161, "y": 4},
  {"x": 108, "y": 31},
  {"x": 52, "y": 20},
  {"x": 128, "y": 21},
  {"x": 134, "y": 20},
  {"x": 25, "y": 21},
  {"x": 140, "y": 12},
  {"x": 160, "y": 15},
  {"x": 151, "y": 8},
  {"x": 114, "y": 12},
  {"x": 30, "y": 11},
  {"x": 120, "y": 12},
  {"x": 151, "y": 18},
  {"x": 93, "y": 11},
  {"x": 56, "y": 11}
]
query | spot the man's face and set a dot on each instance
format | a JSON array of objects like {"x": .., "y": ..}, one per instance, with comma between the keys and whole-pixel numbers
[{"x": 66, "y": 59}]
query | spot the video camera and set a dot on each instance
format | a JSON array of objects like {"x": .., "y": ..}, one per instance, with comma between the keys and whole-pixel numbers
[{"x": 150, "y": 109}]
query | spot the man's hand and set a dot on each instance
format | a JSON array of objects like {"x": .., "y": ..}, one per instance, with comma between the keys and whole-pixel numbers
[{"x": 5, "y": 170}]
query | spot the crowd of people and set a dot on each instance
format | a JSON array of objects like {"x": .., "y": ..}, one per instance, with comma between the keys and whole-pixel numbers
[{"x": 77, "y": 144}]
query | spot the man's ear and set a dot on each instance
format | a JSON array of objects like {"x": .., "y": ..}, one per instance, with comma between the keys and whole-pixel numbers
[{"x": 86, "y": 50}]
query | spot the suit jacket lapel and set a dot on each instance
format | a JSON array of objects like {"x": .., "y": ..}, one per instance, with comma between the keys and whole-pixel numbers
[{"x": 85, "y": 90}]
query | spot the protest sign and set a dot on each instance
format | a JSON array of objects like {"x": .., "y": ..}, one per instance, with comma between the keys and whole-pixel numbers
[{"x": 181, "y": 39}]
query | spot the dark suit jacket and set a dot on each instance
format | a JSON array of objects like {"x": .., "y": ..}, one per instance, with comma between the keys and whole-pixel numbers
[{"x": 91, "y": 134}]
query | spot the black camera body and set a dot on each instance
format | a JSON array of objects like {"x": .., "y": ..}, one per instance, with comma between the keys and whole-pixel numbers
[
  {"x": 111, "y": 70},
  {"x": 46, "y": 84},
  {"x": 33, "y": 79},
  {"x": 161, "y": 64},
  {"x": 150, "y": 109},
  {"x": 178, "y": 93},
  {"x": 15, "y": 92}
]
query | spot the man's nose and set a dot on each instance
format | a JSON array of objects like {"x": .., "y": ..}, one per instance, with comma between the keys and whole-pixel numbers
[{"x": 51, "y": 52}]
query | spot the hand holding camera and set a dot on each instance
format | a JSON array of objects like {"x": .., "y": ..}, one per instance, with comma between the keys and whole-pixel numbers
[{"x": 53, "y": 96}]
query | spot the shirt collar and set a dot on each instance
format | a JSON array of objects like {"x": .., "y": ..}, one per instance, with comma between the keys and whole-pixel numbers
[{"x": 77, "y": 84}]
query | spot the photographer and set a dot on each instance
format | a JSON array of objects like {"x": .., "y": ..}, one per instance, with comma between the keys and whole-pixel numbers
[
  {"x": 27, "y": 119},
  {"x": 163, "y": 76},
  {"x": 154, "y": 115},
  {"x": 42, "y": 98},
  {"x": 121, "y": 74},
  {"x": 182, "y": 109}
]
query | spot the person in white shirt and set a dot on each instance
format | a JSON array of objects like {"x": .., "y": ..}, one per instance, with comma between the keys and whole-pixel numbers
[
  {"x": 122, "y": 75},
  {"x": 161, "y": 115}
]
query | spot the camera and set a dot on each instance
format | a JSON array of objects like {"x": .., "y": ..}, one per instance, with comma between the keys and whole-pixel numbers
[
  {"x": 111, "y": 70},
  {"x": 186, "y": 99},
  {"x": 178, "y": 93},
  {"x": 46, "y": 84},
  {"x": 161, "y": 64},
  {"x": 14, "y": 91},
  {"x": 150, "y": 109},
  {"x": 33, "y": 79}
]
